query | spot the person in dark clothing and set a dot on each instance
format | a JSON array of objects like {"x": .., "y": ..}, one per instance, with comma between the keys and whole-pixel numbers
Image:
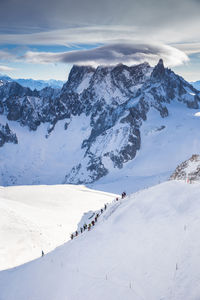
[
  {"x": 72, "y": 236},
  {"x": 76, "y": 233},
  {"x": 101, "y": 210},
  {"x": 95, "y": 219},
  {"x": 81, "y": 229},
  {"x": 42, "y": 253},
  {"x": 89, "y": 227},
  {"x": 123, "y": 195},
  {"x": 105, "y": 206},
  {"x": 117, "y": 199},
  {"x": 92, "y": 223}
]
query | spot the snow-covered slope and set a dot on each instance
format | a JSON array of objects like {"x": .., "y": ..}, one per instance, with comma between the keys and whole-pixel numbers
[
  {"x": 165, "y": 143},
  {"x": 144, "y": 247},
  {"x": 36, "y": 218},
  {"x": 98, "y": 125}
]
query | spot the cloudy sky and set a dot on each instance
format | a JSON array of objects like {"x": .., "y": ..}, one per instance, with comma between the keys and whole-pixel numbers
[{"x": 42, "y": 39}]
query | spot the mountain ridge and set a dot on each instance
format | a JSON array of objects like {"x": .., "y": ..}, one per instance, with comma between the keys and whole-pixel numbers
[
  {"x": 113, "y": 102},
  {"x": 33, "y": 84}
]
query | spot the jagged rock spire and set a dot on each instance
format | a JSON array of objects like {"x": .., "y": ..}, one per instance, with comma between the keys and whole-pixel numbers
[{"x": 159, "y": 70}]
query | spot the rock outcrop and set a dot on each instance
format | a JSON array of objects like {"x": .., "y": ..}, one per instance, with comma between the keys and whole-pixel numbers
[
  {"x": 189, "y": 170},
  {"x": 6, "y": 135}
]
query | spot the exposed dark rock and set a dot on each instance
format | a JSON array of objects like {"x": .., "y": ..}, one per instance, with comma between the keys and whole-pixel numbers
[{"x": 6, "y": 135}]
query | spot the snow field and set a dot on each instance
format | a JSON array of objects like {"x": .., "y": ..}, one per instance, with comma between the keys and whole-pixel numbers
[
  {"x": 36, "y": 218},
  {"x": 143, "y": 247}
]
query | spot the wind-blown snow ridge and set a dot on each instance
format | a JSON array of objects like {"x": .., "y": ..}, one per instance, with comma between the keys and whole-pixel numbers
[{"x": 146, "y": 248}]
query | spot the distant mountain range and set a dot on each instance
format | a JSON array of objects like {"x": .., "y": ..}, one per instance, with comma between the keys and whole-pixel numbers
[
  {"x": 196, "y": 84},
  {"x": 33, "y": 84}
]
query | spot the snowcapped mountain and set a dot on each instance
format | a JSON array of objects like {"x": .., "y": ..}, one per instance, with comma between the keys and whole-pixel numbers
[
  {"x": 33, "y": 84},
  {"x": 189, "y": 170},
  {"x": 104, "y": 123},
  {"x": 196, "y": 84},
  {"x": 143, "y": 247}
]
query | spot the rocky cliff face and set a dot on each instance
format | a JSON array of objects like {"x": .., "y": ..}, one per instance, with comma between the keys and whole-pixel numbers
[
  {"x": 7, "y": 136},
  {"x": 189, "y": 170},
  {"x": 116, "y": 100}
]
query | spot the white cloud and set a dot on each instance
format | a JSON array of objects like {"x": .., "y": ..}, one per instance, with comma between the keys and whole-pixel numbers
[
  {"x": 189, "y": 48},
  {"x": 112, "y": 54},
  {"x": 5, "y": 68},
  {"x": 7, "y": 56}
]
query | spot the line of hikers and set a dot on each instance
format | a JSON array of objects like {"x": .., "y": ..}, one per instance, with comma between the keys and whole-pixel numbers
[{"x": 90, "y": 225}]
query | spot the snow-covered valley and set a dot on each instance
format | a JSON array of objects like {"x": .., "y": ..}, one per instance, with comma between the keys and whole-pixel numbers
[
  {"x": 36, "y": 218},
  {"x": 143, "y": 247}
]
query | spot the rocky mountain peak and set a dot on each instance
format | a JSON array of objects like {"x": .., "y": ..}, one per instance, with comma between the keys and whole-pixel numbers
[
  {"x": 76, "y": 77},
  {"x": 159, "y": 70},
  {"x": 189, "y": 170},
  {"x": 114, "y": 101}
]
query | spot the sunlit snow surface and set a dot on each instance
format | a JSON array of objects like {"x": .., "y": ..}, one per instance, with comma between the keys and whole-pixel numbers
[
  {"x": 144, "y": 247},
  {"x": 36, "y": 218}
]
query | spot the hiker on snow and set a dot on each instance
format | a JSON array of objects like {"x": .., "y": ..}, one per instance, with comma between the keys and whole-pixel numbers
[
  {"x": 105, "y": 206},
  {"x": 123, "y": 195},
  {"x": 93, "y": 223},
  {"x": 72, "y": 236},
  {"x": 76, "y": 233}
]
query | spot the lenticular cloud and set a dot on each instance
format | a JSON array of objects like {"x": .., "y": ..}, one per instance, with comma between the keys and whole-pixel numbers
[{"x": 126, "y": 53}]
